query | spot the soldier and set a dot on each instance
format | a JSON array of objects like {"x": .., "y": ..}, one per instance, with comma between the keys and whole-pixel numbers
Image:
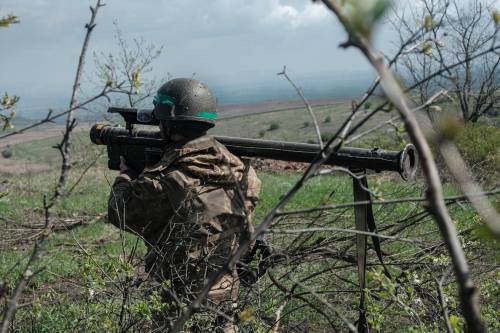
[{"x": 191, "y": 207}]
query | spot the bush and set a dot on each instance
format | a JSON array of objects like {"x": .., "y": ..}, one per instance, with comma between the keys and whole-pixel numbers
[
  {"x": 328, "y": 119},
  {"x": 306, "y": 124},
  {"x": 326, "y": 136},
  {"x": 274, "y": 126},
  {"x": 7, "y": 152},
  {"x": 262, "y": 133},
  {"x": 479, "y": 145}
]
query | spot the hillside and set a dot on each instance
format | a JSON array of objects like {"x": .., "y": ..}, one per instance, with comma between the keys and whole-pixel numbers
[{"x": 89, "y": 263}]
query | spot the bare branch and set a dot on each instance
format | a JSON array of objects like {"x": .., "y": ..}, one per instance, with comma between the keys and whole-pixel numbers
[
  {"x": 457, "y": 167},
  {"x": 306, "y": 103},
  {"x": 436, "y": 205},
  {"x": 63, "y": 147}
]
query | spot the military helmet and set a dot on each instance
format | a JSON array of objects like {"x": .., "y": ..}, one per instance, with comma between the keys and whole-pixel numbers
[{"x": 185, "y": 100}]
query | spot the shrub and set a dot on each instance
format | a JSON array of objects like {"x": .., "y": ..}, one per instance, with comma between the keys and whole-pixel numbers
[
  {"x": 7, "y": 152},
  {"x": 262, "y": 133},
  {"x": 479, "y": 145},
  {"x": 326, "y": 136},
  {"x": 274, "y": 126},
  {"x": 306, "y": 124},
  {"x": 328, "y": 119}
]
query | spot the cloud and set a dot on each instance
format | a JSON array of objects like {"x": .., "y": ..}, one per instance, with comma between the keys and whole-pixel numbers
[
  {"x": 294, "y": 17},
  {"x": 225, "y": 40}
]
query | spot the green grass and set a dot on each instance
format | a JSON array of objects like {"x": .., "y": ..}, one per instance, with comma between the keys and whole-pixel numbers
[
  {"x": 79, "y": 289},
  {"x": 97, "y": 266},
  {"x": 44, "y": 151},
  {"x": 291, "y": 123}
]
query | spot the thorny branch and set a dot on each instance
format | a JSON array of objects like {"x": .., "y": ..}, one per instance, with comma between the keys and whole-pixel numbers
[
  {"x": 457, "y": 167},
  {"x": 306, "y": 103},
  {"x": 333, "y": 145},
  {"x": 436, "y": 205},
  {"x": 49, "y": 118},
  {"x": 442, "y": 301},
  {"x": 64, "y": 148},
  {"x": 457, "y": 198}
]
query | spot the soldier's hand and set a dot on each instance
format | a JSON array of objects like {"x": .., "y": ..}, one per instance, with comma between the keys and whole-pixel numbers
[{"x": 123, "y": 165}]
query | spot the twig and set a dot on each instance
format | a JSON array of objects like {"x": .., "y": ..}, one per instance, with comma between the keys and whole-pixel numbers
[
  {"x": 50, "y": 118},
  {"x": 332, "y": 146},
  {"x": 26, "y": 277},
  {"x": 437, "y": 207},
  {"x": 291, "y": 293},
  {"x": 349, "y": 325},
  {"x": 325, "y": 229},
  {"x": 89, "y": 166},
  {"x": 49, "y": 204},
  {"x": 279, "y": 311},
  {"x": 442, "y": 301},
  {"x": 306, "y": 103},
  {"x": 457, "y": 167},
  {"x": 429, "y": 102},
  {"x": 386, "y": 202}
]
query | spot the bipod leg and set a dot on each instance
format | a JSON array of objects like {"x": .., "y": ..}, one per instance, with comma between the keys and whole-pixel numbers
[{"x": 361, "y": 213}]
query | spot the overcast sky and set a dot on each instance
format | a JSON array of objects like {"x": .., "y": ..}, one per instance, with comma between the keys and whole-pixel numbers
[{"x": 226, "y": 42}]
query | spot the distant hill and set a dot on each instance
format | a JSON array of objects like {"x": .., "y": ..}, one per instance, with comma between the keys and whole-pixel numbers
[{"x": 229, "y": 91}]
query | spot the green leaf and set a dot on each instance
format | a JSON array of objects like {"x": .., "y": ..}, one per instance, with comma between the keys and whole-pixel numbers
[
  {"x": 8, "y": 20},
  {"x": 428, "y": 23},
  {"x": 495, "y": 15},
  {"x": 456, "y": 324}
]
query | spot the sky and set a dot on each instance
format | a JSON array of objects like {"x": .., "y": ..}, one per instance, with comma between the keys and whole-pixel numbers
[{"x": 236, "y": 46}]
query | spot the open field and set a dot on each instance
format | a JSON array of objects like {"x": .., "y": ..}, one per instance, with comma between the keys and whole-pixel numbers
[
  {"x": 245, "y": 110},
  {"x": 87, "y": 262}
]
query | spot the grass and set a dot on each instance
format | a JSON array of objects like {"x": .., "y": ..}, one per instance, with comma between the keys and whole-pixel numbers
[
  {"x": 291, "y": 123},
  {"x": 58, "y": 305},
  {"x": 80, "y": 287},
  {"x": 43, "y": 151}
]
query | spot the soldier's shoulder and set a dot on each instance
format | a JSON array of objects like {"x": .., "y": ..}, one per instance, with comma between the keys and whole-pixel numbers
[
  {"x": 201, "y": 143},
  {"x": 206, "y": 144}
]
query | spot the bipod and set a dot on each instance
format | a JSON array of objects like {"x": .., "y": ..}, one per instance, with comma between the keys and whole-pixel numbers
[{"x": 364, "y": 221}]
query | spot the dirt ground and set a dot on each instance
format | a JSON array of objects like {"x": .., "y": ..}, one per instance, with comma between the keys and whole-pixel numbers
[
  {"x": 16, "y": 166},
  {"x": 39, "y": 133}
]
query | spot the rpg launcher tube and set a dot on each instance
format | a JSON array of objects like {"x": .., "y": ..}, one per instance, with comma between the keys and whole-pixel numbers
[{"x": 404, "y": 161}]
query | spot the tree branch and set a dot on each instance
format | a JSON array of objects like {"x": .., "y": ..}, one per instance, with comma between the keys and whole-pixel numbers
[{"x": 436, "y": 205}]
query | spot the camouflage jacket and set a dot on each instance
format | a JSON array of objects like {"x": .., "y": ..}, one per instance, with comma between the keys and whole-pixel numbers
[{"x": 190, "y": 208}]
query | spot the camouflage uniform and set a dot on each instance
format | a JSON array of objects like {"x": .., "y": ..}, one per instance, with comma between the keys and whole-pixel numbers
[{"x": 190, "y": 208}]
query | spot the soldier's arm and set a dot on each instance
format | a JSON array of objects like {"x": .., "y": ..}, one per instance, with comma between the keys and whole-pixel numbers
[{"x": 129, "y": 198}]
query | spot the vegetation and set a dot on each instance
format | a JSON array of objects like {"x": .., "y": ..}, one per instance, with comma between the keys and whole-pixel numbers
[
  {"x": 479, "y": 144},
  {"x": 8, "y": 102},
  {"x": 434, "y": 248},
  {"x": 274, "y": 126},
  {"x": 7, "y": 152},
  {"x": 456, "y": 30},
  {"x": 87, "y": 265}
]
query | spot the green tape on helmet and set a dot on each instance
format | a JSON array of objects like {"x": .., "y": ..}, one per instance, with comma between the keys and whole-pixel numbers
[
  {"x": 164, "y": 99},
  {"x": 207, "y": 115}
]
